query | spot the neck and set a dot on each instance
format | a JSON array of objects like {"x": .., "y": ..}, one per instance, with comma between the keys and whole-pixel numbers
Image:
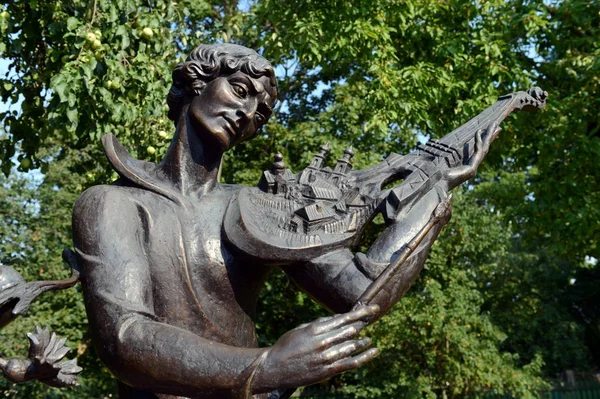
[{"x": 189, "y": 164}]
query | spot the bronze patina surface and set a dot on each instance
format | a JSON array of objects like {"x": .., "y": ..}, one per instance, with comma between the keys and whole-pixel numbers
[{"x": 172, "y": 261}]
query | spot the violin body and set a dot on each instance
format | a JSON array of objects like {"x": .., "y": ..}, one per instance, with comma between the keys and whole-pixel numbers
[{"x": 298, "y": 216}]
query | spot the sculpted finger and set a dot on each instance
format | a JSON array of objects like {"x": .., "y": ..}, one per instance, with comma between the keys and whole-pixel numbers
[
  {"x": 479, "y": 145},
  {"x": 492, "y": 132},
  {"x": 326, "y": 318},
  {"x": 342, "y": 334},
  {"x": 352, "y": 363},
  {"x": 339, "y": 320},
  {"x": 315, "y": 325},
  {"x": 478, "y": 140},
  {"x": 345, "y": 349},
  {"x": 303, "y": 325},
  {"x": 479, "y": 152},
  {"x": 495, "y": 134}
]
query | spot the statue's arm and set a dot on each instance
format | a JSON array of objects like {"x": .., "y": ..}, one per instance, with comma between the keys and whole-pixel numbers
[
  {"x": 338, "y": 279},
  {"x": 148, "y": 354},
  {"x": 139, "y": 349}
]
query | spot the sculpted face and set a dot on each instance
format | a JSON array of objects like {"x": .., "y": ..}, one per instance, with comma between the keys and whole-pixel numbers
[{"x": 230, "y": 109}]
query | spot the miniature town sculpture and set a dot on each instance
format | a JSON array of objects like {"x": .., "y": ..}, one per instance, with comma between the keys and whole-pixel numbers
[{"x": 172, "y": 261}]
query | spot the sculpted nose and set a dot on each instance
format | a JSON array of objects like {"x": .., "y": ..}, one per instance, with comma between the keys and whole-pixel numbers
[{"x": 247, "y": 111}]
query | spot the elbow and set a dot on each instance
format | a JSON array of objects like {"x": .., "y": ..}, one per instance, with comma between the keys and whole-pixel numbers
[
  {"x": 118, "y": 348},
  {"x": 147, "y": 355}
]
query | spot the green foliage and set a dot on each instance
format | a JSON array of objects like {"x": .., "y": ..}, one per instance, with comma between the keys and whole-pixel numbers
[
  {"x": 84, "y": 69},
  {"x": 34, "y": 230},
  {"x": 509, "y": 294},
  {"x": 442, "y": 340}
]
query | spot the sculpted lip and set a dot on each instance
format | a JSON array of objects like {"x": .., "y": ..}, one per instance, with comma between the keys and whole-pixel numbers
[{"x": 231, "y": 126}]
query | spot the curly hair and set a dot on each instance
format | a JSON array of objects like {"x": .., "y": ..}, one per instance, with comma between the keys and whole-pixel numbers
[{"x": 208, "y": 61}]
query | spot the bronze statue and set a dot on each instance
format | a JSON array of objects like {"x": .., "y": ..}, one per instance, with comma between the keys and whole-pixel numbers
[{"x": 172, "y": 261}]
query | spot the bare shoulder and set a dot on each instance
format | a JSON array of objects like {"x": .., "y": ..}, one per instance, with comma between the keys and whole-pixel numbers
[
  {"x": 104, "y": 207},
  {"x": 97, "y": 198}
]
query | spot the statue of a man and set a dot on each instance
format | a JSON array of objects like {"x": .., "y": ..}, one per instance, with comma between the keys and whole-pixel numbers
[{"x": 171, "y": 300}]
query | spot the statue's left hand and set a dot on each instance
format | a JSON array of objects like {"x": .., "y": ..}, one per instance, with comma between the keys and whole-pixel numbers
[{"x": 458, "y": 175}]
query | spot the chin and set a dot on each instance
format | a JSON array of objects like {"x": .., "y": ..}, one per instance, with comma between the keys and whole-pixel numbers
[
  {"x": 216, "y": 140},
  {"x": 222, "y": 141}
]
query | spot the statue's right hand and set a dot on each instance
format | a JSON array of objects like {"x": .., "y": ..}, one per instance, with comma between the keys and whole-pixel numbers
[{"x": 312, "y": 352}]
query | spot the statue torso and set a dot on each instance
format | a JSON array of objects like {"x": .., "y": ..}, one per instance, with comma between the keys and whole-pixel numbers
[{"x": 198, "y": 284}]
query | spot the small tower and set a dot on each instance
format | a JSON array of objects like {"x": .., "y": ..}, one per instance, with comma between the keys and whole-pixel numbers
[
  {"x": 342, "y": 167},
  {"x": 278, "y": 166},
  {"x": 274, "y": 180},
  {"x": 309, "y": 174},
  {"x": 320, "y": 157}
]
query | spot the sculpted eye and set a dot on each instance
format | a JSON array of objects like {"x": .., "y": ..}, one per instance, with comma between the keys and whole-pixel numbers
[
  {"x": 240, "y": 90},
  {"x": 260, "y": 119}
]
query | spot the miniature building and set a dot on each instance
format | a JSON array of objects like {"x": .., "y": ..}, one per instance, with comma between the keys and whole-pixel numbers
[
  {"x": 319, "y": 158},
  {"x": 323, "y": 200},
  {"x": 315, "y": 215},
  {"x": 274, "y": 181},
  {"x": 311, "y": 172},
  {"x": 343, "y": 167}
]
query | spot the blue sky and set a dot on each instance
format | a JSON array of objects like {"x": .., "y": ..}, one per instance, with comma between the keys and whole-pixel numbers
[{"x": 3, "y": 69}]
